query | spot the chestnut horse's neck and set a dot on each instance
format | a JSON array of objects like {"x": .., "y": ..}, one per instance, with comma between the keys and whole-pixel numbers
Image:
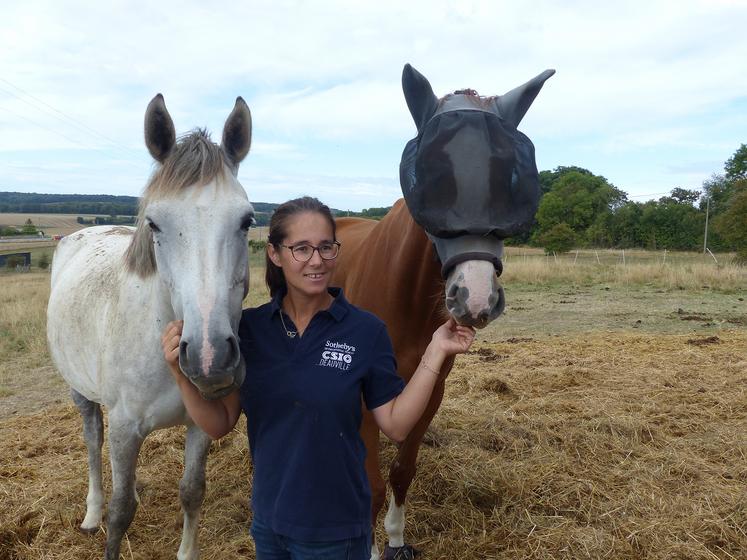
[{"x": 390, "y": 269}]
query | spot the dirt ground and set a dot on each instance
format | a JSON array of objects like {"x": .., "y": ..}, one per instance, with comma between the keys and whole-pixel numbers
[
  {"x": 565, "y": 310},
  {"x": 33, "y": 391},
  {"x": 613, "y": 445},
  {"x": 571, "y": 430}
]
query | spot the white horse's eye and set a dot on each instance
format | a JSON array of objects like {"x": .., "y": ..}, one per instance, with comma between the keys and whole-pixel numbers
[
  {"x": 248, "y": 221},
  {"x": 153, "y": 227}
]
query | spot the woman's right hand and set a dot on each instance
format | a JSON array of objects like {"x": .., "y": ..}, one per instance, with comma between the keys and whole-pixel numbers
[
  {"x": 217, "y": 417},
  {"x": 172, "y": 336}
]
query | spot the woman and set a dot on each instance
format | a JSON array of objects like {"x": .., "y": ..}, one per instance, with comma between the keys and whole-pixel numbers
[{"x": 311, "y": 356}]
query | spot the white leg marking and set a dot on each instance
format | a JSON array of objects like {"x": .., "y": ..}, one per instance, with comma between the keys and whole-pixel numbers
[
  {"x": 394, "y": 523},
  {"x": 192, "y": 491},
  {"x": 94, "y": 500},
  {"x": 375, "y": 552},
  {"x": 189, "y": 548}
]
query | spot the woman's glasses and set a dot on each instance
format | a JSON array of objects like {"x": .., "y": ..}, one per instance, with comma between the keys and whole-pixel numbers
[{"x": 304, "y": 251}]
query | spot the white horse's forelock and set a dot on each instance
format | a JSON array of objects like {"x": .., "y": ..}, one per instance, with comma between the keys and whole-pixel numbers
[{"x": 194, "y": 161}]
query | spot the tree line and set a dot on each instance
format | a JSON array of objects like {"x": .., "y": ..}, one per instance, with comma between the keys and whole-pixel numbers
[
  {"x": 38, "y": 203},
  {"x": 577, "y": 209},
  {"x": 581, "y": 209}
]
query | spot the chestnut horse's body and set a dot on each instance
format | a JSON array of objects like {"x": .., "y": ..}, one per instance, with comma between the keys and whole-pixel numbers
[
  {"x": 390, "y": 269},
  {"x": 470, "y": 180}
]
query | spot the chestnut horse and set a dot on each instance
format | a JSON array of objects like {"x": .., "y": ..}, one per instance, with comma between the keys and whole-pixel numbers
[{"x": 469, "y": 180}]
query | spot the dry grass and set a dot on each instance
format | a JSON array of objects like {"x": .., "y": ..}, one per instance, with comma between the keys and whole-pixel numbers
[
  {"x": 12, "y": 247},
  {"x": 688, "y": 275},
  {"x": 620, "y": 445},
  {"x": 52, "y": 224},
  {"x": 23, "y": 309},
  {"x": 555, "y": 448}
]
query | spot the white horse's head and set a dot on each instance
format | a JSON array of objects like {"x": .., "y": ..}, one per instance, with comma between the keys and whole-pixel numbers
[{"x": 192, "y": 233}]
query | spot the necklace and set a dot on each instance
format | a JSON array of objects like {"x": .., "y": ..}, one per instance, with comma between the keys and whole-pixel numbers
[{"x": 290, "y": 334}]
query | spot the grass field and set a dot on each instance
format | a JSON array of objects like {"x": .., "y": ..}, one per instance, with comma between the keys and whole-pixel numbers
[
  {"x": 604, "y": 416},
  {"x": 51, "y": 224},
  {"x": 65, "y": 224}
]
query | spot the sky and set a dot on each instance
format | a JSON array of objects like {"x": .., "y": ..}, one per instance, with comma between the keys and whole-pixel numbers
[{"x": 651, "y": 95}]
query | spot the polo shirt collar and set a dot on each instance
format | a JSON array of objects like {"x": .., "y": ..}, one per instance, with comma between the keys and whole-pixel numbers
[{"x": 337, "y": 310}]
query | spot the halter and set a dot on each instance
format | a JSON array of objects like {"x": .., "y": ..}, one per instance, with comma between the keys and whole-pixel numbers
[{"x": 456, "y": 250}]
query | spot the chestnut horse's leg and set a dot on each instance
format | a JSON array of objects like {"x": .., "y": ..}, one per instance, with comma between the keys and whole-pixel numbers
[
  {"x": 124, "y": 447},
  {"x": 401, "y": 473},
  {"x": 192, "y": 490},
  {"x": 93, "y": 434},
  {"x": 370, "y": 435}
]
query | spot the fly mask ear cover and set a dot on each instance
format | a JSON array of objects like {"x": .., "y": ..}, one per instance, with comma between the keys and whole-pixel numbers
[{"x": 470, "y": 172}]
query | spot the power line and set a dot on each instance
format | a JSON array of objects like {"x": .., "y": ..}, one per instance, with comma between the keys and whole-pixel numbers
[
  {"x": 66, "y": 119},
  {"x": 53, "y": 131}
]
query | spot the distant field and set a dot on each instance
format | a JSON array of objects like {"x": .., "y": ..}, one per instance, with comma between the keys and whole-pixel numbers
[
  {"x": 51, "y": 224},
  {"x": 65, "y": 224}
]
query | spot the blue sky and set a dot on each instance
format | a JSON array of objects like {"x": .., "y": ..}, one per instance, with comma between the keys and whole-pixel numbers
[{"x": 652, "y": 95}]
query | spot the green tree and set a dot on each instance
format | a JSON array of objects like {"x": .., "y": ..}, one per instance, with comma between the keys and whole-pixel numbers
[
  {"x": 732, "y": 223},
  {"x": 29, "y": 228},
  {"x": 579, "y": 200},
  {"x": 736, "y": 166},
  {"x": 624, "y": 226},
  {"x": 717, "y": 189},
  {"x": 548, "y": 178},
  {"x": 684, "y": 195},
  {"x": 670, "y": 223},
  {"x": 560, "y": 238}
]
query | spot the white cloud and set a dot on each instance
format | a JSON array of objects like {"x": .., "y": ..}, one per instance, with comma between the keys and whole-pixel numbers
[{"x": 637, "y": 76}]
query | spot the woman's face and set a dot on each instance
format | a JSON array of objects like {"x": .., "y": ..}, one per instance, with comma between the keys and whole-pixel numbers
[{"x": 310, "y": 278}]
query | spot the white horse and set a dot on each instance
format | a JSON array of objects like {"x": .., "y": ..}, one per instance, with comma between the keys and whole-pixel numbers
[{"x": 115, "y": 288}]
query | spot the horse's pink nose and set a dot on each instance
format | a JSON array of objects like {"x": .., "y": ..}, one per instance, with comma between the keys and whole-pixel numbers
[
  {"x": 214, "y": 360},
  {"x": 467, "y": 312}
]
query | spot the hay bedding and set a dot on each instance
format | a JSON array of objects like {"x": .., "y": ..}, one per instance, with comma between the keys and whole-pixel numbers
[{"x": 603, "y": 446}]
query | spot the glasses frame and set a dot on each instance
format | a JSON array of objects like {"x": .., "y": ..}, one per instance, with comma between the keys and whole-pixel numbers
[{"x": 313, "y": 248}]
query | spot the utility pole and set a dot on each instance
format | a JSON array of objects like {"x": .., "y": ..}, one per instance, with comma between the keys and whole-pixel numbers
[{"x": 705, "y": 235}]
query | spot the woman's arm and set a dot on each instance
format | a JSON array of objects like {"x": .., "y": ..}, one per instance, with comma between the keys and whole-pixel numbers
[
  {"x": 397, "y": 417},
  {"x": 215, "y": 418}
]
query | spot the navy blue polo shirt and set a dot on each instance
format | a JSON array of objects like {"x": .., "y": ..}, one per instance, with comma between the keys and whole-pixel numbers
[{"x": 302, "y": 400}]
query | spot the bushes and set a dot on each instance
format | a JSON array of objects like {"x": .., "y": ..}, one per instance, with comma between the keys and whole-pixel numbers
[
  {"x": 560, "y": 238},
  {"x": 256, "y": 245},
  {"x": 43, "y": 261}
]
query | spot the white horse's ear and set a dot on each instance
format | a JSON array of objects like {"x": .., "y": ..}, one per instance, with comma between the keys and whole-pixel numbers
[
  {"x": 160, "y": 135},
  {"x": 237, "y": 133},
  {"x": 419, "y": 95}
]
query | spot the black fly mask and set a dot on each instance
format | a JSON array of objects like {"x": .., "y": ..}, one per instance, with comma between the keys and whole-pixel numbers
[{"x": 469, "y": 173}]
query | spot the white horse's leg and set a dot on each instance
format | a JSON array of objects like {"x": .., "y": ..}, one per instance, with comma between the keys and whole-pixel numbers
[
  {"x": 93, "y": 434},
  {"x": 124, "y": 447},
  {"x": 192, "y": 490}
]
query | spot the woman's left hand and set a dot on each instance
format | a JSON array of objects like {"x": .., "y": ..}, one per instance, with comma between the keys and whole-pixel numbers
[{"x": 451, "y": 338}]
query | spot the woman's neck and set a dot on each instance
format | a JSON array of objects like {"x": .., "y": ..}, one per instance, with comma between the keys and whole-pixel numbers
[{"x": 301, "y": 309}]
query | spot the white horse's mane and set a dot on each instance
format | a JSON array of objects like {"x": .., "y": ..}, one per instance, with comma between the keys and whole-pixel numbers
[{"x": 194, "y": 160}]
